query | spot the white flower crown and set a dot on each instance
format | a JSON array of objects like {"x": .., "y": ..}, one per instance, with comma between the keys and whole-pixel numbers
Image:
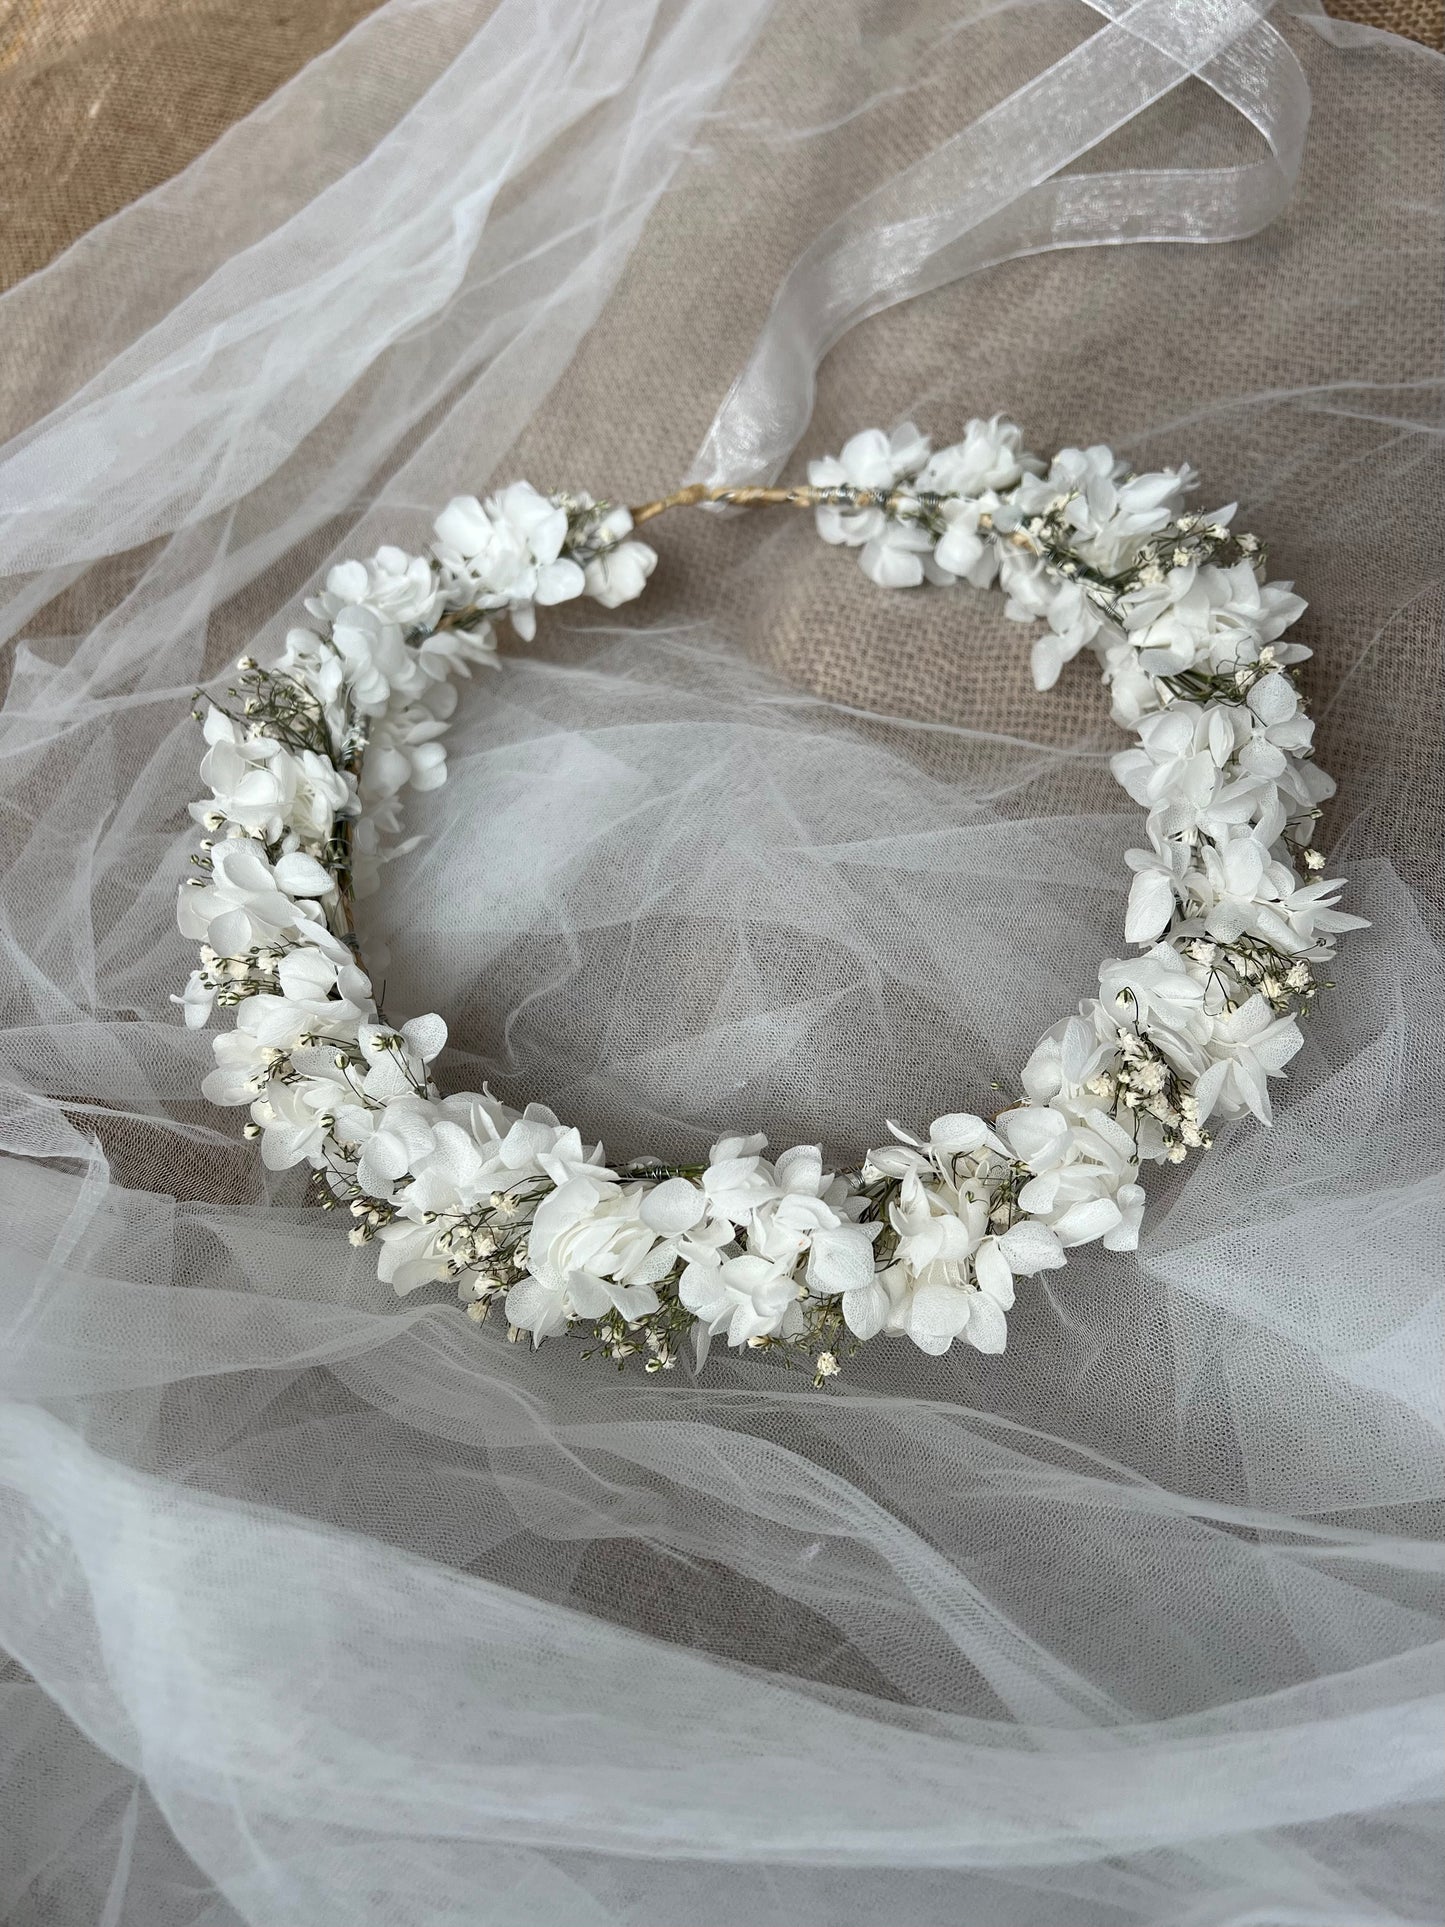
[{"x": 776, "y": 1253}]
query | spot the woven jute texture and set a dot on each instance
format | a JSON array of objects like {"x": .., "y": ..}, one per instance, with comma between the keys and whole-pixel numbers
[
  {"x": 1422, "y": 20},
  {"x": 101, "y": 100}
]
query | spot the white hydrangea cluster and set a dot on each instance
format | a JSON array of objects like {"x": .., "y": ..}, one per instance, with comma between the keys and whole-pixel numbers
[{"x": 774, "y": 1253}]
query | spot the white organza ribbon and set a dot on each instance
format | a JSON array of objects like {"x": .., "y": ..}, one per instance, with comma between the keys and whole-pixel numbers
[
  {"x": 213, "y": 399},
  {"x": 991, "y": 195}
]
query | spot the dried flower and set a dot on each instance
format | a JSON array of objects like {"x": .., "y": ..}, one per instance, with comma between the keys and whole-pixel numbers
[{"x": 774, "y": 1253}]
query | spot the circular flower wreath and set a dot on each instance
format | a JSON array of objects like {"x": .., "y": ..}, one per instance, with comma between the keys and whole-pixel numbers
[{"x": 1227, "y": 911}]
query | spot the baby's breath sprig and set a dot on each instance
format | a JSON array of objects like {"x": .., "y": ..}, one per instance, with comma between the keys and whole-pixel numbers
[
  {"x": 277, "y": 704},
  {"x": 1247, "y": 966}
]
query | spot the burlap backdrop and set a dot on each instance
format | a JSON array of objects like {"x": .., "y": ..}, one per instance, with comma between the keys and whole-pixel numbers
[
  {"x": 99, "y": 102},
  {"x": 101, "y": 99}
]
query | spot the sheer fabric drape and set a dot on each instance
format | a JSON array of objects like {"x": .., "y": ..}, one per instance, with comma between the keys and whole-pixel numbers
[{"x": 324, "y": 1609}]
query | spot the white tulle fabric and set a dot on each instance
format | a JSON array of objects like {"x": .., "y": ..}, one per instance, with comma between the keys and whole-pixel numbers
[{"x": 328, "y": 1610}]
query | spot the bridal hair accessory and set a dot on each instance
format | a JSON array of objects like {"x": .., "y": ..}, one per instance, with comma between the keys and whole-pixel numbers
[{"x": 1227, "y": 911}]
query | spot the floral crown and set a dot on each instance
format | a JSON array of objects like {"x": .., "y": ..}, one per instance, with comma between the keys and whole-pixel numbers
[{"x": 1228, "y": 920}]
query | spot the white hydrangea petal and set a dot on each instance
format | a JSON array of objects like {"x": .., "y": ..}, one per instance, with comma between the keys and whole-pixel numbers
[
  {"x": 559, "y": 582},
  {"x": 1273, "y": 699},
  {"x": 994, "y": 1274},
  {"x": 1125, "y": 1234},
  {"x": 840, "y": 1259},
  {"x": 987, "y": 1327},
  {"x": 229, "y": 933},
  {"x": 541, "y": 522},
  {"x": 1151, "y": 907},
  {"x": 301, "y": 876},
  {"x": 1031, "y": 1247},
  {"x": 673, "y": 1207},
  {"x": 826, "y": 471},
  {"x": 426, "y": 1035},
  {"x": 800, "y": 1168},
  {"x": 892, "y": 565},
  {"x": 463, "y": 525},
  {"x": 1033, "y": 1131},
  {"x": 536, "y": 1308},
  {"x": 938, "y": 1315},
  {"x": 866, "y": 1309},
  {"x": 867, "y": 459},
  {"x": 958, "y": 1133},
  {"x": 1208, "y": 1087},
  {"x": 1087, "y": 1220}
]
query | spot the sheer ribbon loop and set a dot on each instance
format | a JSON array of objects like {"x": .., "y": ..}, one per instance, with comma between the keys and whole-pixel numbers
[{"x": 994, "y": 193}]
